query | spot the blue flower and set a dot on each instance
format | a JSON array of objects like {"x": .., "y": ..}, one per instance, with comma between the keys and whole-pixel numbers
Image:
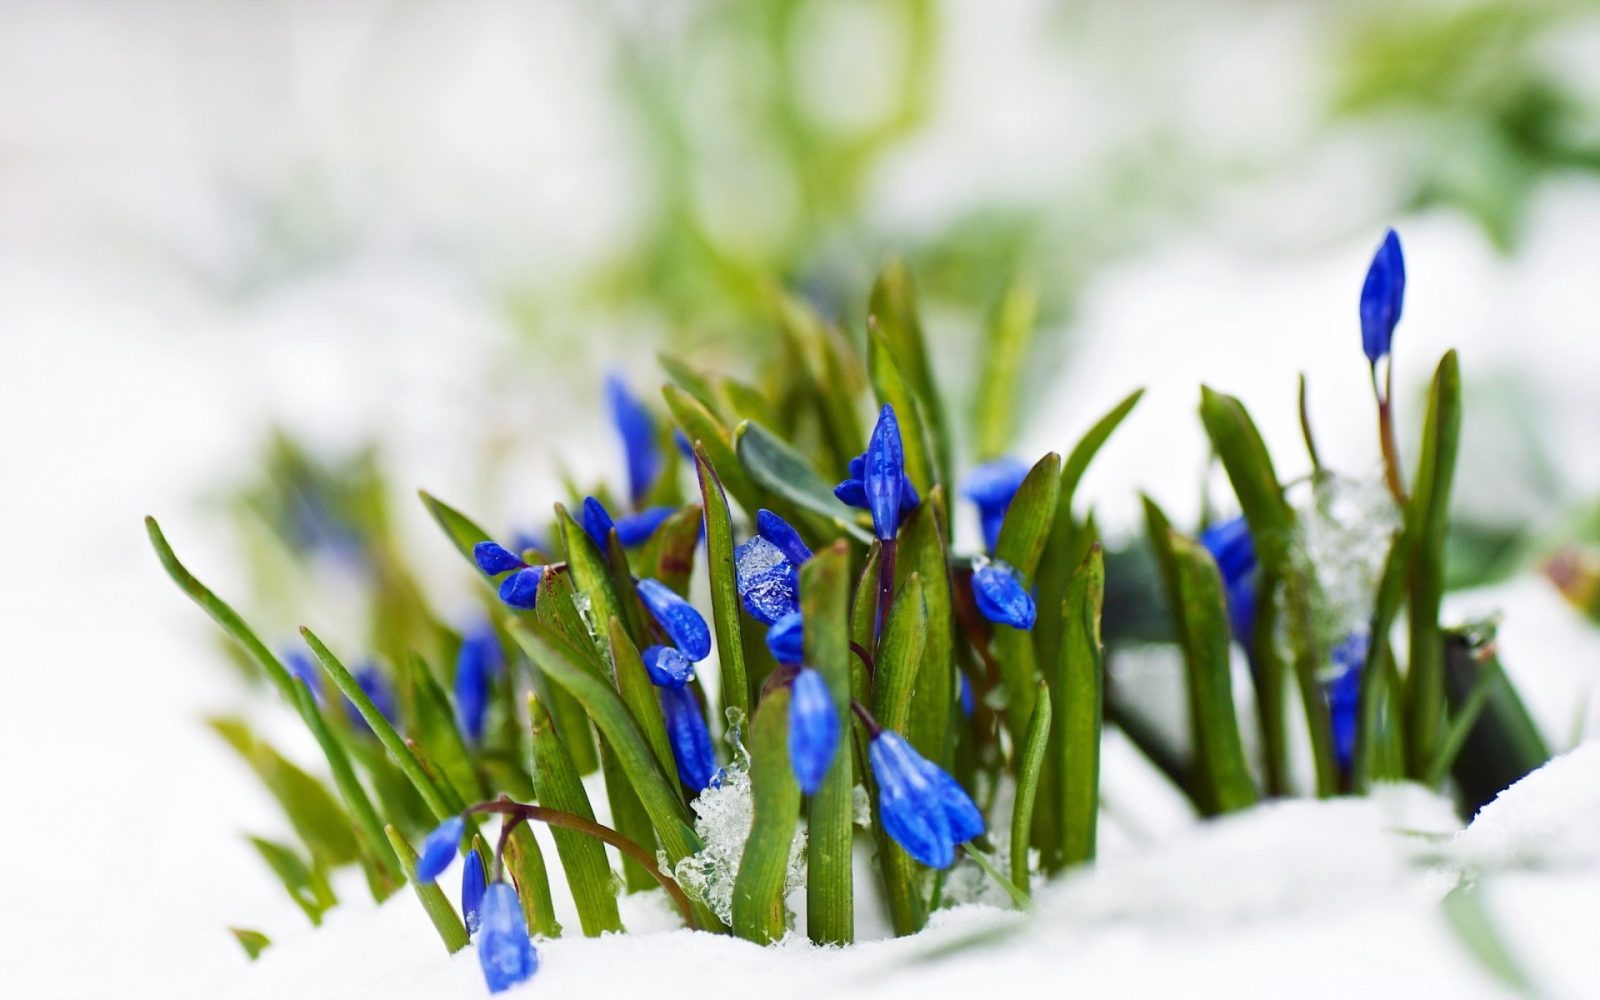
[
  {"x": 521, "y": 589},
  {"x": 768, "y": 582},
  {"x": 690, "y": 739},
  {"x": 638, "y": 431},
  {"x": 477, "y": 662},
  {"x": 1344, "y": 695},
  {"x": 302, "y": 669},
  {"x": 1001, "y": 597},
  {"x": 991, "y": 486},
  {"x": 678, "y": 618},
  {"x": 636, "y": 529},
  {"x": 472, "y": 887},
  {"x": 494, "y": 558},
  {"x": 667, "y": 666},
  {"x": 923, "y": 808},
  {"x": 1230, "y": 545},
  {"x": 878, "y": 480},
  {"x": 440, "y": 849},
  {"x": 780, "y": 533},
  {"x": 813, "y": 730},
  {"x": 504, "y": 949},
  {"x": 786, "y": 639},
  {"x": 597, "y": 522},
  {"x": 376, "y": 687},
  {"x": 1382, "y": 295}
]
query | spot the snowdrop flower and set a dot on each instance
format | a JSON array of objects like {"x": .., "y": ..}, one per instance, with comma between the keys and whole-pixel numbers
[
  {"x": 813, "y": 730},
  {"x": 1382, "y": 295},
  {"x": 991, "y": 486},
  {"x": 1230, "y": 545},
  {"x": 786, "y": 639},
  {"x": 477, "y": 662},
  {"x": 505, "y": 951},
  {"x": 521, "y": 588},
  {"x": 440, "y": 849},
  {"x": 678, "y": 618},
  {"x": 923, "y": 808},
  {"x": 878, "y": 480},
  {"x": 637, "y": 429},
  {"x": 667, "y": 667},
  {"x": 691, "y": 741},
  {"x": 472, "y": 888},
  {"x": 1001, "y": 597},
  {"x": 1344, "y": 695}
]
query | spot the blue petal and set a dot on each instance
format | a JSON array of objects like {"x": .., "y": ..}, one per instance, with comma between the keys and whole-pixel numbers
[
  {"x": 960, "y": 812},
  {"x": 521, "y": 589},
  {"x": 691, "y": 741},
  {"x": 472, "y": 886},
  {"x": 439, "y": 849},
  {"x": 1001, "y": 597},
  {"x": 993, "y": 484},
  {"x": 667, "y": 666},
  {"x": 779, "y": 532},
  {"x": 636, "y": 529},
  {"x": 1344, "y": 695},
  {"x": 813, "y": 730},
  {"x": 852, "y": 493},
  {"x": 376, "y": 687},
  {"x": 305, "y": 671},
  {"x": 1230, "y": 544},
  {"x": 678, "y": 618},
  {"x": 858, "y": 466},
  {"x": 768, "y": 584},
  {"x": 913, "y": 813},
  {"x": 504, "y": 950},
  {"x": 476, "y": 661},
  {"x": 494, "y": 558},
  {"x": 597, "y": 523},
  {"x": 638, "y": 431},
  {"x": 1382, "y": 296},
  {"x": 885, "y": 478},
  {"x": 968, "y": 703},
  {"x": 786, "y": 639}
]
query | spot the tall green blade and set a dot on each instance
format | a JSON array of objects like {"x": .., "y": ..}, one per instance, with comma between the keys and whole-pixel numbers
[
  {"x": 725, "y": 607},
  {"x": 463, "y": 533},
  {"x": 892, "y": 387},
  {"x": 825, "y": 606},
  {"x": 1078, "y": 687},
  {"x": 556, "y": 782},
  {"x": 893, "y": 317},
  {"x": 633, "y": 682},
  {"x": 1035, "y": 746},
  {"x": 443, "y": 916},
  {"x": 1023, "y": 536},
  {"x": 922, "y": 551},
  {"x": 899, "y": 657},
  {"x": 758, "y": 888},
  {"x": 525, "y": 861},
  {"x": 1249, "y": 466},
  {"x": 704, "y": 429}
]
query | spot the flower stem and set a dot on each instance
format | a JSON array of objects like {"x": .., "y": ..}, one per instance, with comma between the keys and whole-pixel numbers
[
  {"x": 885, "y": 581},
  {"x": 1391, "y": 452}
]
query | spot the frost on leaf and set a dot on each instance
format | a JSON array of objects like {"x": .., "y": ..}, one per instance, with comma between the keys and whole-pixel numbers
[{"x": 1343, "y": 529}]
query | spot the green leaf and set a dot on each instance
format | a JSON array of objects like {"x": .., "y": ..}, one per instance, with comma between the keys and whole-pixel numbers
[
  {"x": 556, "y": 782},
  {"x": 307, "y": 886},
  {"x": 1467, "y": 917},
  {"x": 833, "y": 377},
  {"x": 316, "y": 816},
  {"x": 463, "y": 533},
  {"x": 785, "y": 472},
  {"x": 556, "y": 609},
  {"x": 444, "y": 917},
  {"x": 725, "y": 606},
  {"x": 892, "y": 388},
  {"x": 639, "y": 694},
  {"x": 591, "y": 575},
  {"x": 824, "y": 605},
  {"x": 1078, "y": 685},
  {"x": 1023, "y": 535},
  {"x": 436, "y": 727},
  {"x": 1034, "y": 747},
  {"x": 1089, "y": 446},
  {"x": 922, "y": 551},
  {"x": 525, "y": 861},
  {"x": 703, "y": 428},
  {"x": 688, "y": 380},
  {"x": 1255, "y": 482},
  {"x": 1000, "y": 381},
  {"x": 629, "y": 818},
  {"x": 1427, "y": 523},
  {"x": 253, "y": 942},
  {"x": 899, "y": 656},
  {"x": 893, "y": 317},
  {"x": 1391, "y": 589},
  {"x": 758, "y": 888}
]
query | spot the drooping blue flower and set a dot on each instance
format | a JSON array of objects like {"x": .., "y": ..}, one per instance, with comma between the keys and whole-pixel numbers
[
  {"x": 473, "y": 885},
  {"x": 969, "y": 704},
  {"x": 678, "y": 618},
  {"x": 1344, "y": 695},
  {"x": 991, "y": 486},
  {"x": 636, "y": 529},
  {"x": 477, "y": 662},
  {"x": 597, "y": 522},
  {"x": 521, "y": 589},
  {"x": 667, "y": 666},
  {"x": 877, "y": 481},
  {"x": 1230, "y": 545},
  {"x": 301, "y": 668},
  {"x": 377, "y": 689},
  {"x": 768, "y": 582},
  {"x": 780, "y": 533},
  {"x": 786, "y": 639},
  {"x": 505, "y": 951},
  {"x": 1382, "y": 296},
  {"x": 813, "y": 730},
  {"x": 923, "y": 808},
  {"x": 440, "y": 849},
  {"x": 690, "y": 739},
  {"x": 494, "y": 558},
  {"x": 638, "y": 431},
  {"x": 1001, "y": 597}
]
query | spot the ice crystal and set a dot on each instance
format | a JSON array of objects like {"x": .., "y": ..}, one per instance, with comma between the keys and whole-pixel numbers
[
  {"x": 722, "y": 816},
  {"x": 1344, "y": 529}
]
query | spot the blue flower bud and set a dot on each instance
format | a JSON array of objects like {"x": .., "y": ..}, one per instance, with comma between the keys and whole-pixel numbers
[
  {"x": 667, "y": 666},
  {"x": 377, "y": 689},
  {"x": 505, "y": 951},
  {"x": 813, "y": 730},
  {"x": 969, "y": 704},
  {"x": 597, "y": 522},
  {"x": 786, "y": 639},
  {"x": 924, "y": 810},
  {"x": 477, "y": 661},
  {"x": 991, "y": 486},
  {"x": 303, "y": 670},
  {"x": 636, "y": 529},
  {"x": 779, "y": 532},
  {"x": 521, "y": 589},
  {"x": 1230, "y": 544},
  {"x": 690, "y": 739},
  {"x": 885, "y": 474},
  {"x": 473, "y": 884},
  {"x": 1382, "y": 295},
  {"x": 494, "y": 558},
  {"x": 440, "y": 849},
  {"x": 1344, "y": 695},
  {"x": 852, "y": 493},
  {"x": 678, "y": 618},
  {"x": 638, "y": 431},
  {"x": 1001, "y": 597},
  {"x": 768, "y": 583}
]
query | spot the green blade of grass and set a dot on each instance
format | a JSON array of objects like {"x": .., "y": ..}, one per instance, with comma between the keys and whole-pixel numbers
[
  {"x": 725, "y": 607},
  {"x": 922, "y": 551},
  {"x": 556, "y": 782},
  {"x": 899, "y": 657},
  {"x": 443, "y": 916},
  {"x": 316, "y": 816},
  {"x": 703, "y": 428},
  {"x": 1078, "y": 683},
  {"x": 1004, "y": 354},
  {"x": 305, "y": 885},
  {"x": 786, "y": 473},
  {"x": 1023, "y": 535},
  {"x": 557, "y": 609},
  {"x": 1034, "y": 747},
  {"x": 525, "y": 861},
  {"x": 892, "y": 315},
  {"x": 775, "y": 813},
  {"x": 824, "y": 605},
  {"x": 253, "y": 942},
  {"x": 891, "y": 387},
  {"x": 460, "y": 529},
  {"x": 633, "y": 682}
]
